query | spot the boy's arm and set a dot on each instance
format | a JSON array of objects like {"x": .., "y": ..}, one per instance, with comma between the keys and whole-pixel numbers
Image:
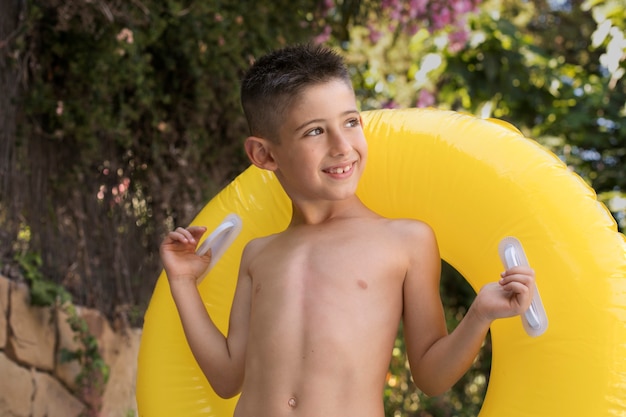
[
  {"x": 220, "y": 358},
  {"x": 438, "y": 359}
]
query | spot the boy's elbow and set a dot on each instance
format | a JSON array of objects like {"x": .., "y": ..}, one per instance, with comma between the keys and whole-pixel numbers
[
  {"x": 435, "y": 391},
  {"x": 226, "y": 395},
  {"x": 433, "y": 388},
  {"x": 225, "y": 391},
  {"x": 225, "y": 385}
]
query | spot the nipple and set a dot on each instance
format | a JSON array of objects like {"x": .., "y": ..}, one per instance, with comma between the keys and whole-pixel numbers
[{"x": 292, "y": 402}]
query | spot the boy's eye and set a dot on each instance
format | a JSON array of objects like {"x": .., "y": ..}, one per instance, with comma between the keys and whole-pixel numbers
[
  {"x": 315, "y": 132},
  {"x": 353, "y": 122}
]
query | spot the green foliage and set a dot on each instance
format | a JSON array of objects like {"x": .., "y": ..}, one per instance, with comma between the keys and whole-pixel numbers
[
  {"x": 94, "y": 372},
  {"x": 42, "y": 291},
  {"x": 141, "y": 80},
  {"x": 89, "y": 355}
]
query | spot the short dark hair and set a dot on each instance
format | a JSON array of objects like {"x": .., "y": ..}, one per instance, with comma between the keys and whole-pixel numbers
[{"x": 278, "y": 78}]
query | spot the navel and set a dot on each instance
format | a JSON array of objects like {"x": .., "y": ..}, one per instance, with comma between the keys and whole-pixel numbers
[{"x": 292, "y": 402}]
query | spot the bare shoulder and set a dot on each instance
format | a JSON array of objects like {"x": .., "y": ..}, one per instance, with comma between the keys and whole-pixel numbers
[
  {"x": 416, "y": 240},
  {"x": 256, "y": 245},
  {"x": 405, "y": 235},
  {"x": 413, "y": 231}
]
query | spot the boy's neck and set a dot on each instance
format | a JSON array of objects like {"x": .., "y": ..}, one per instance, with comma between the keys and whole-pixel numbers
[{"x": 322, "y": 212}]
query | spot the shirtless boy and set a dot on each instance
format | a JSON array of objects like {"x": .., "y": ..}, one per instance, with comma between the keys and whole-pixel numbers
[{"x": 317, "y": 306}]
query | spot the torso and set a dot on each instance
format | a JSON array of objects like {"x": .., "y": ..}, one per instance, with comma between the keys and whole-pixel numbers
[{"x": 326, "y": 301}]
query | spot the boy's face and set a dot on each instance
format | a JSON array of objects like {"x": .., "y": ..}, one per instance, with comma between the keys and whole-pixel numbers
[{"x": 322, "y": 151}]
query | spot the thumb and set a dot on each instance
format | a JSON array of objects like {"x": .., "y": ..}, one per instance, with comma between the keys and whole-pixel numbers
[{"x": 208, "y": 256}]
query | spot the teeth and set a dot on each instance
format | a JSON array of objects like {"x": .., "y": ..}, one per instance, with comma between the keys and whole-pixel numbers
[{"x": 339, "y": 170}]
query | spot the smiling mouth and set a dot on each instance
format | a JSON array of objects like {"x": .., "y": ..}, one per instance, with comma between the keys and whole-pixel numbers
[{"x": 340, "y": 169}]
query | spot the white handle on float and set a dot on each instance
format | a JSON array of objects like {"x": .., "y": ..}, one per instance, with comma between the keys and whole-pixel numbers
[
  {"x": 534, "y": 319},
  {"x": 220, "y": 239}
]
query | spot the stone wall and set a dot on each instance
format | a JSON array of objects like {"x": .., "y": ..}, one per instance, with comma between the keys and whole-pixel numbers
[{"x": 33, "y": 380}]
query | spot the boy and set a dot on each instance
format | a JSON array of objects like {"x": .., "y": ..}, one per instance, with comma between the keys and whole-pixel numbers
[{"x": 317, "y": 306}]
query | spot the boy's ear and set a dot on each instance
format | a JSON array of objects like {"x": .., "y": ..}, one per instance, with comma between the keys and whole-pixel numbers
[{"x": 259, "y": 153}]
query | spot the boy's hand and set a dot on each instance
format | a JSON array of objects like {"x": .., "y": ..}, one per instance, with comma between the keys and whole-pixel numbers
[
  {"x": 510, "y": 296},
  {"x": 178, "y": 254}
]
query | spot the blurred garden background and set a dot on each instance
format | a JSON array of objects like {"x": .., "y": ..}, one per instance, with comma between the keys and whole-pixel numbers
[{"x": 121, "y": 118}]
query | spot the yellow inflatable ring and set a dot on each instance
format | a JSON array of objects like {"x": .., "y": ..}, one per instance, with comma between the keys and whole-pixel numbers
[{"x": 475, "y": 181}]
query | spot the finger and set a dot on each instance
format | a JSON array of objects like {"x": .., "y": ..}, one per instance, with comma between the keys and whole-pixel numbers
[
  {"x": 516, "y": 287},
  {"x": 527, "y": 279},
  {"x": 196, "y": 232},
  {"x": 524, "y": 270},
  {"x": 182, "y": 235},
  {"x": 208, "y": 255},
  {"x": 518, "y": 292}
]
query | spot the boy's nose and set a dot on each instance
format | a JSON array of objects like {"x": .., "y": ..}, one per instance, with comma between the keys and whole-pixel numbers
[{"x": 339, "y": 144}]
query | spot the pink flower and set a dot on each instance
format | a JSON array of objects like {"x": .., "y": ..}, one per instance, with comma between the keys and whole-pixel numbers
[
  {"x": 457, "y": 40},
  {"x": 324, "y": 36},
  {"x": 375, "y": 35},
  {"x": 425, "y": 98}
]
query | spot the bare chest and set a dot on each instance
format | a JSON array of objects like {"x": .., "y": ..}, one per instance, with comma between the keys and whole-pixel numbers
[
  {"x": 339, "y": 256},
  {"x": 339, "y": 268}
]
